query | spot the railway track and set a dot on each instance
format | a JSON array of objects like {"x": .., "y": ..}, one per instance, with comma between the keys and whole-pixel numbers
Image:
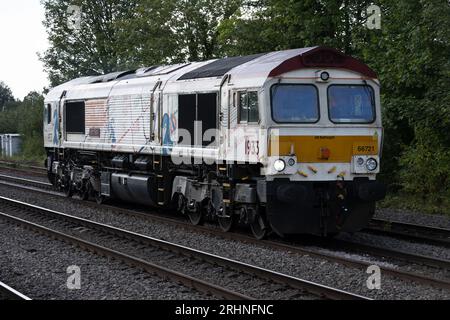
[
  {"x": 409, "y": 231},
  {"x": 23, "y": 167},
  {"x": 8, "y": 293},
  {"x": 23, "y": 182},
  {"x": 337, "y": 244},
  {"x": 139, "y": 250},
  {"x": 300, "y": 249}
]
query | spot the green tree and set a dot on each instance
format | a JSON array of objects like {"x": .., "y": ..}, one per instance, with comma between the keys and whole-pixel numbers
[
  {"x": 414, "y": 69},
  {"x": 31, "y": 126},
  {"x": 5, "y": 95},
  {"x": 261, "y": 26},
  {"x": 91, "y": 50},
  {"x": 196, "y": 25},
  {"x": 148, "y": 38},
  {"x": 126, "y": 34}
]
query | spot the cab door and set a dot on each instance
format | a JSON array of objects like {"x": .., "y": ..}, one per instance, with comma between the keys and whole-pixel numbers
[
  {"x": 51, "y": 125},
  {"x": 155, "y": 114}
]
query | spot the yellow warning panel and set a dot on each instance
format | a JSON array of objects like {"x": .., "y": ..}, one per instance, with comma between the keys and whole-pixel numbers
[{"x": 309, "y": 149}]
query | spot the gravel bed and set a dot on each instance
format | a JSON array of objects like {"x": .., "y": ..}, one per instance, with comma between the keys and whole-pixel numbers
[
  {"x": 306, "y": 267},
  {"x": 37, "y": 266},
  {"x": 437, "y": 221},
  {"x": 234, "y": 280}
]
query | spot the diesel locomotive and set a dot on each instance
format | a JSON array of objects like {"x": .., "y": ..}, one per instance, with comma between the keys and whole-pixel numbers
[{"x": 287, "y": 142}]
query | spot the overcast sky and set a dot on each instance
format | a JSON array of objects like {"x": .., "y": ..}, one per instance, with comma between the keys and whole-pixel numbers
[{"x": 22, "y": 35}]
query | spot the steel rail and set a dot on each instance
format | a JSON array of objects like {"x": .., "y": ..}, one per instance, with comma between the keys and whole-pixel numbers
[
  {"x": 390, "y": 253},
  {"x": 11, "y": 294},
  {"x": 23, "y": 168},
  {"x": 21, "y": 165},
  {"x": 40, "y": 184},
  {"x": 276, "y": 245},
  {"x": 409, "y": 231},
  {"x": 293, "y": 282},
  {"x": 149, "y": 267}
]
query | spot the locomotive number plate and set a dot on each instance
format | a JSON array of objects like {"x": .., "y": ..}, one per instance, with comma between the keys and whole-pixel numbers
[{"x": 364, "y": 149}]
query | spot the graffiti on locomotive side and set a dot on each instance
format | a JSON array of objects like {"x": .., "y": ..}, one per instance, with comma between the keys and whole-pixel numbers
[
  {"x": 55, "y": 127},
  {"x": 96, "y": 117},
  {"x": 167, "y": 133}
]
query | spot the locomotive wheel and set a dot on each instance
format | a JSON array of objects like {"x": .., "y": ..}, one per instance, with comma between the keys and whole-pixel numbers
[
  {"x": 68, "y": 191},
  {"x": 180, "y": 202},
  {"x": 332, "y": 235},
  {"x": 259, "y": 227},
  {"x": 85, "y": 194},
  {"x": 226, "y": 223},
  {"x": 99, "y": 198},
  {"x": 51, "y": 178},
  {"x": 195, "y": 216}
]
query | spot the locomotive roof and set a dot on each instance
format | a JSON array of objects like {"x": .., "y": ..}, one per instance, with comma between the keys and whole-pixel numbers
[
  {"x": 219, "y": 67},
  {"x": 261, "y": 66}
]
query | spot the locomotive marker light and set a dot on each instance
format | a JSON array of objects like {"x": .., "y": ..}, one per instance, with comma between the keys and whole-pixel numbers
[
  {"x": 325, "y": 76},
  {"x": 366, "y": 164},
  {"x": 360, "y": 161},
  {"x": 372, "y": 164},
  {"x": 279, "y": 165},
  {"x": 291, "y": 162},
  {"x": 322, "y": 76}
]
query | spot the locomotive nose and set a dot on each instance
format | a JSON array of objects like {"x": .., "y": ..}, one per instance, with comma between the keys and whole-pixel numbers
[{"x": 290, "y": 193}]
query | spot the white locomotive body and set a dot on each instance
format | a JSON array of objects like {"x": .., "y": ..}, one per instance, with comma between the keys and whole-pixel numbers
[{"x": 288, "y": 141}]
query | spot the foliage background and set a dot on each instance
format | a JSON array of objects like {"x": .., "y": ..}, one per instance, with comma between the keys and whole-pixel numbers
[{"x": 411, "y": 54}]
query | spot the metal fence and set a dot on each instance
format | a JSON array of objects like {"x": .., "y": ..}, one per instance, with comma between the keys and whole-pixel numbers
[{"x": 10, "y": 145}]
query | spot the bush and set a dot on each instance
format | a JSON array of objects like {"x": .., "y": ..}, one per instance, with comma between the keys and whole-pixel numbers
[
  {"x": 25, "y": 118},
  {"x": 425, "y": 174}
]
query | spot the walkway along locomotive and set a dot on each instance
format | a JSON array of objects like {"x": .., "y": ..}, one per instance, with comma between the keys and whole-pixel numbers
[{"x": 288, "y": 141}]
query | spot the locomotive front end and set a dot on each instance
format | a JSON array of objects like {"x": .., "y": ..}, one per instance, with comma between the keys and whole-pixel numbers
[{"x": 324, "y": 152}]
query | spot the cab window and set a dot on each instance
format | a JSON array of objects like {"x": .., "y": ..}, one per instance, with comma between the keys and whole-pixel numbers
[
  {"x": 49, "y": 113},
  {"x": 248, "y": 107},
  {"x": 295, "y": 103},
  {"x": 351, "y": 104}
]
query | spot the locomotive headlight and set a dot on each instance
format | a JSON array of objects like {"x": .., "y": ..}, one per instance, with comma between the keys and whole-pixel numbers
[
  {"x": 360, "y": 162},
  {"x": 372, "y": 164},
  {"x": 279, "y": 165}
]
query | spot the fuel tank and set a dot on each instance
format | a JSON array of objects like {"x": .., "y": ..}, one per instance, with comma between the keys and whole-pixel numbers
[{"x": 133, "y": 188}]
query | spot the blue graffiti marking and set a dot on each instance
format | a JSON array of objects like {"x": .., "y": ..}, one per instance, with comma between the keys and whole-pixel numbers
[
  {"x": 167, "y": 140},
  {"x": 55, "y": 127},
  {"x": 111, "y": 132}
]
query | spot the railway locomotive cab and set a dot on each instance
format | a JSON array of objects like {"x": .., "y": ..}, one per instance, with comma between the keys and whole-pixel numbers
[{"x": 288, "y": 141}]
